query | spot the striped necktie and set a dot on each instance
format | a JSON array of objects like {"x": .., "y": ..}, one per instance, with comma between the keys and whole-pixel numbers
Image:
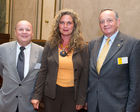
[
  {"x": 102, "y": 55},
  {"x": 20, "y": 63}
]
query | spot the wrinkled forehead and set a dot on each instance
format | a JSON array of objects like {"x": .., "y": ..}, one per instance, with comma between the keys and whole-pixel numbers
[{"x": 107, "y": 14}]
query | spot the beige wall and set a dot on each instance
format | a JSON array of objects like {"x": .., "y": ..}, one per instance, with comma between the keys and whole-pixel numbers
[
  {"x": 25, "y": 9},
  {"x": 89, "y": 10},
  {"x": 38, "y": 11},
  {"x": 48, "y": 14}
]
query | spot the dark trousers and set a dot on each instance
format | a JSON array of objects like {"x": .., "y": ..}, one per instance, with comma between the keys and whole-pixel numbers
[
  {"x": 64, "y": 101},
  {"x": 17, "y": 110},
  {"x": 97, "y": 110},
  {"x": 82, "y": 110}
]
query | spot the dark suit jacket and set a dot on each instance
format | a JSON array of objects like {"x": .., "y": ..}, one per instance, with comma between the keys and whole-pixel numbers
[
  {"x": 46, "y": 82},
  {"x": 117, "y": 87}
]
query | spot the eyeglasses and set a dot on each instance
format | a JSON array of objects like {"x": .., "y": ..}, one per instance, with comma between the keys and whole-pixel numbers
[{"x": 107, "y": 21}]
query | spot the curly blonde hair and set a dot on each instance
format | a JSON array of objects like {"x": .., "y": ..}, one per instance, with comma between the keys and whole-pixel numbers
[{"x": 76, "y": 40}]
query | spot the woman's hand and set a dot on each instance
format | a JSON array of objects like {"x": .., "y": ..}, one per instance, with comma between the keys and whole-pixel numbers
[
  {"x": 35, "y": 103},
  {"x": 85, "y": 106},
  {"x": 79, "y": 107}
]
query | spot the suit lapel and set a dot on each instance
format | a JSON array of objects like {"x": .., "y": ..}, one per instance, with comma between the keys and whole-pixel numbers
[
  {"x": 97, "y": 48},
  {"x": 33, "y": 58},
  {"x": 75, "y": 51},
  {"x": 116, "y": 46},
  {"x": 12, "y": 54},
  {"x": 55, "y": 54},
  {"x": 95, "y": 52}
]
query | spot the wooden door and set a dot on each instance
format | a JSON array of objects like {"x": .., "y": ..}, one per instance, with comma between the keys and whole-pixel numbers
[{"x": 49, "y": 8}]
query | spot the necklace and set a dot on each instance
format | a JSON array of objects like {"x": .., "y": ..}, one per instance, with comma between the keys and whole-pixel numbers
[{"x": 63, "y": 53}]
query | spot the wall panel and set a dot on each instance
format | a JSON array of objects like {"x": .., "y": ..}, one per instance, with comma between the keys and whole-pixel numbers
[
  {"x": 25, "y": 9},
  {"x": 89, "y": 11}
]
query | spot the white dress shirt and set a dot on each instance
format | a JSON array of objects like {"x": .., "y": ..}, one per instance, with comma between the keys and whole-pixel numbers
[
  {"x": 112, "y": 38},
  {"x": 27, "y": 57}
]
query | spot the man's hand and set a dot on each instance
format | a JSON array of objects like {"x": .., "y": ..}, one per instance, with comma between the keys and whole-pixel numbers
[{"x": 35, "y": 103}]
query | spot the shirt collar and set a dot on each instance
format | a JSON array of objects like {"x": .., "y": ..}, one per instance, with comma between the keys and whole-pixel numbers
[
  {"x": 112, "y": 38},
  {"x": 28, "y": 46}
]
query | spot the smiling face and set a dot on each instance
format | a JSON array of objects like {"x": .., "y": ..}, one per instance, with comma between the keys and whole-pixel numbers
[
  {"x": 108, "y": 23},
  {"x": 66, "y": 25},
  {"x": 24, "y": 32}
]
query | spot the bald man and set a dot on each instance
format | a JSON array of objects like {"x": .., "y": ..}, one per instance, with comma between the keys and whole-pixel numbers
[{"x": 19, "y": 79}]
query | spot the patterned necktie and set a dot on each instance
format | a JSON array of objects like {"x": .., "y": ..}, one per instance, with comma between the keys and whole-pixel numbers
[
  {"x": 102, "y": 55},
  {"x": 20, "y": 63}
]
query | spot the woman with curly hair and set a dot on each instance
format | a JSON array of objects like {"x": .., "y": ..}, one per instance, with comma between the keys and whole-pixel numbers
[{"x": 62, "y": 80}]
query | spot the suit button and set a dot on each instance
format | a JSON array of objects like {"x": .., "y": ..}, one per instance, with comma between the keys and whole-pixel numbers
[
  {"x": 16, "y": 96},
  {"x": 20, "y": 85},
  {"x": 75, "y": 70}
]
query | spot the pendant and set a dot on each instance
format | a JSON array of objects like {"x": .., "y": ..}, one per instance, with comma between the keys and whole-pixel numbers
[{"x": 63, "y": 53}]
